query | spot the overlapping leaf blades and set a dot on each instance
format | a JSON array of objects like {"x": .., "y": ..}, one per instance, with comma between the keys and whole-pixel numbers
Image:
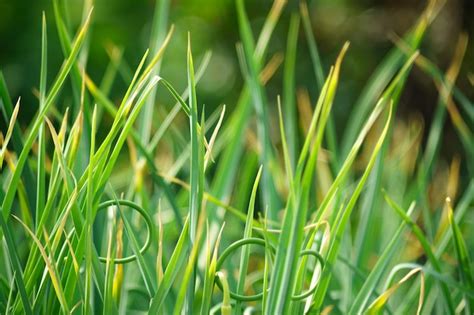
[{"x": 65, "y": 268}]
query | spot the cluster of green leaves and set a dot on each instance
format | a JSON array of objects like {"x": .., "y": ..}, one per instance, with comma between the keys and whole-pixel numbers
[{"x": 325, "y": 217}]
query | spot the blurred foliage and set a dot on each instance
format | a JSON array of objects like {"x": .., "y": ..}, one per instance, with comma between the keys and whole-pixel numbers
[{"x": 126, "y": 24}]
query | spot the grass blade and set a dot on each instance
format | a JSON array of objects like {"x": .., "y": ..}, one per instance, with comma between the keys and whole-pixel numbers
[
  {"x": 8, "y": 200},
  {"x": 258, "y": 95},
  {"x": 338, "y": 230},
  {"x": 244, "y": 256},
  {"x": 371, "y": 282},
  {"x": 178, "y": 258},
  {"x": 426, "y": 247},
  {"x": 15, "y": 262},
  {"x": 463, "y": 256},
  {"x": 289, "y": 89},
  {"x": 41, "y": 184}
]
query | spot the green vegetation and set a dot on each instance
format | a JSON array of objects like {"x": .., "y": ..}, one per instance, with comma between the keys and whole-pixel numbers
[{"x": 121, "y": 207}]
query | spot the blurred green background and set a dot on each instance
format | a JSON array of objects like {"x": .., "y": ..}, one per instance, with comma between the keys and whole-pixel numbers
[{"x": 126, "y": 24}]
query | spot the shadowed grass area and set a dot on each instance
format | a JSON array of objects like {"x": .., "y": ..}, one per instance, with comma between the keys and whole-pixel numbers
[{"x": 129, "y": 205}]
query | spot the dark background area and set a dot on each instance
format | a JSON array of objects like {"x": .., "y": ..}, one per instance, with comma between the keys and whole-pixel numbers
[{"x": 213, "y": 25}]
